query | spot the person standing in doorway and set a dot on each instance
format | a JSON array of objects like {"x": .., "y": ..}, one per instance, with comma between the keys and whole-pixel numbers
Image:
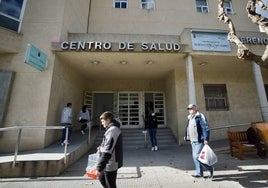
[
  {"x": 66, "y": 121},
  {"x": 197, "y": 132},
  {"x": 111, "y": 151},
  {"x": 152, "y": 126},
  {"x": 83, "y": 119}
]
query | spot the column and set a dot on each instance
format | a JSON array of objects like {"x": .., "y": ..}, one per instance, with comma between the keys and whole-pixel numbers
[
  {"x": 190, "y": 80},
  {"x": 261, "y": 91}
]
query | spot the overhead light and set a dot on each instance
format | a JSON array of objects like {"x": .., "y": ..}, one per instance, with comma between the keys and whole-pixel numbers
[
  {"x": 95, "y": 62},
  {"x": 123, "y": 62},
  {"x": 149, "y": 62},
  {"x": 203, "y": 63}
]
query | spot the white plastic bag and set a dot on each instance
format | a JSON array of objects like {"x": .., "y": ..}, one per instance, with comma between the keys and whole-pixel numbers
[
  {"x": 91, "y": 165},
  {"x": 207, "y": 156},
  {"x": 92, "y": 161}
]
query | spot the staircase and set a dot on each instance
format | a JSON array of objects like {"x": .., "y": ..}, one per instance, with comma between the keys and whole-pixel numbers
[{"x": 135, "y": 138}]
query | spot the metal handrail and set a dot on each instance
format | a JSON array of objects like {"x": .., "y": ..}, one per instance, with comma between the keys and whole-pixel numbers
[
  {"x": 230, "y": 126},
  {"x": 19, "y": 129}
]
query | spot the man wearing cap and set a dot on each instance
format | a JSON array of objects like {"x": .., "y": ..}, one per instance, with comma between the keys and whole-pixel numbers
[{"x": 197, "y": 132}]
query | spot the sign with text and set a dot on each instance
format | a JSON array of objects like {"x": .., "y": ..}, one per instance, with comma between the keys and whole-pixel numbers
[
  {"x": 35, "y": 57},
  {"x": 210, "y": 41},
  {"x": 121, "y": 46}
]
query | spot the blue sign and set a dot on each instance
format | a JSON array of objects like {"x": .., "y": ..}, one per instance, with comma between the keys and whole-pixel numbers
[{"x": 36, "y": 58}]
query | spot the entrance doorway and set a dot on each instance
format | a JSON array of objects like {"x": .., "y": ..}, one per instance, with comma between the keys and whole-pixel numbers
[
  {"x": 101, "y": 102},
  {"x": 154, "y": 102},
  {"x": 132, "y": 108}
]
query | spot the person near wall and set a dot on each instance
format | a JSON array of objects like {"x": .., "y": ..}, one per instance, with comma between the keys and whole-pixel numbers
[
  {"x": 197, "y": 132},
  {"x": 152, "y": 126},
  {"x": 254, "y": 138},
  {"x": 66, "y": 121},
  {"x": 83, "y": 118},
  {"x": 111, "y": 151}
]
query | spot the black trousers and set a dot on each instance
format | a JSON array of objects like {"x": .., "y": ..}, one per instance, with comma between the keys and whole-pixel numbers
[
  {"x": 84, "y": 124},
  {"x": 108, "y": 179},
  {"x": 83, "y": 127}
]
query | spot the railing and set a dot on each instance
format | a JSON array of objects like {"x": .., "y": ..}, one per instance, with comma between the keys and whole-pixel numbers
[
  {"x": 230, "y": 126},
  {"x": 20, "y": 128}
]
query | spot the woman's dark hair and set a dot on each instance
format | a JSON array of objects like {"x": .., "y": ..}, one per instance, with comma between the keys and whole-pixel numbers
[{"x": 107, "y": 115}]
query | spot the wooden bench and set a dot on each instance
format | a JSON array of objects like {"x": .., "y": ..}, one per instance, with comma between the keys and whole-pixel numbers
[{"x": 238, "y": 142}]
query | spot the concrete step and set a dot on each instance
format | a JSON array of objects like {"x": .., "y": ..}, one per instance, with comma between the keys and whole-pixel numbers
[
  {"x": 50, "y": 161},
  {"x": 135, "y": 138}
]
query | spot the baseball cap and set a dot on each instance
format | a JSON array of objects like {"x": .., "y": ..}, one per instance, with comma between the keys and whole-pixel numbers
[{"x": 190, "y": 106}]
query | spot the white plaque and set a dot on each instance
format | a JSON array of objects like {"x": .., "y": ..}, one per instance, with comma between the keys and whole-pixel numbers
[{"x": 210, "y": 41}]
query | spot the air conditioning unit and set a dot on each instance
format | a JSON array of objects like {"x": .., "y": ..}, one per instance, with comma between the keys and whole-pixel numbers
[
  {"x": 148, "y": 6},
  {"x": 228, "y": 10}
]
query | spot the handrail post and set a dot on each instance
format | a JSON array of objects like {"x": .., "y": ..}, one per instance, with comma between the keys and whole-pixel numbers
[
  {"x": 17, "y": 147},
  {"x": 66, "y": 143},
  {"x": 145, "y": 138},
  {"x": 89, "y": 133}
]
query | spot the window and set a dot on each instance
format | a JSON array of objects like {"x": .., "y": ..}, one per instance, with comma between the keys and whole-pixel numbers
[
  {"x": 227, "y": 5},
  {"x": 148, "y": 4},
  {"x": 216, "y": 97},
  {"x": 120, "y": 3},
  {"x": 201, "y": 6},
  {"x": 11, "y": 13}
]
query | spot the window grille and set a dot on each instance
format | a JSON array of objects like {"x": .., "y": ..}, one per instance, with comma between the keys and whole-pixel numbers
[
  {"x": 216, "y": 97},
  {"x": 120, "y": 3}
]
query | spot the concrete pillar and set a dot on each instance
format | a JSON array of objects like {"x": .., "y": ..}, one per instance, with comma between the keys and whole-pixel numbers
[
  {"x": 261, "y": 91},
  {"x": 190, "y": 80}
]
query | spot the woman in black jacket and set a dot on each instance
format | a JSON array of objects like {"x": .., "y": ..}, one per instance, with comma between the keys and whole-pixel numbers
[{"x": 152, "y": 126}]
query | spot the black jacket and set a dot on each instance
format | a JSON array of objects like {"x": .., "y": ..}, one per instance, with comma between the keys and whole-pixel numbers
[{"x": 152, "y": 122}]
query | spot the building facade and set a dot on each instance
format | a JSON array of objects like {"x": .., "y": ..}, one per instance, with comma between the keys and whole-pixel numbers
[{"x": 129, "y": 57}]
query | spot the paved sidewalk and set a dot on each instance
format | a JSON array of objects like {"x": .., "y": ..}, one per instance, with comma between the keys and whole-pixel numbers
[{"x": 166, "y": 168}]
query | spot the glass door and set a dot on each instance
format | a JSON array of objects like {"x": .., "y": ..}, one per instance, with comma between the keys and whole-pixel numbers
[{"x": 128, "y": 109}]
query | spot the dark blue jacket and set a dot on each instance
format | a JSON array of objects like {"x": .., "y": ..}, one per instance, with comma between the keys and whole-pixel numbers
[{"x": 202, "y": 128}]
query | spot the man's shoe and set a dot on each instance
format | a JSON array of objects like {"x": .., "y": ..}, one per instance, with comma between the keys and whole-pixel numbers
[
  {"x": 210, "y": 173},
  {"x": 83, "y": 132},
  {"x": 196, "y": 176},
  {"x": 155, "y": 148},
  {"x": 152, "y": 148}
]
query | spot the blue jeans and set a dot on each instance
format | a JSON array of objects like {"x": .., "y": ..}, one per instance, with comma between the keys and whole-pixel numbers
[
  {"x": 196, "y": 149},
  {"x": 152, "y": 133},
  {"x": 63, "y": 135}
]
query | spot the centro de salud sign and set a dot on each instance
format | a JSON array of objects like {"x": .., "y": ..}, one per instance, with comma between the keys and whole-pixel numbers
[{"x": 121, "y": 46}]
